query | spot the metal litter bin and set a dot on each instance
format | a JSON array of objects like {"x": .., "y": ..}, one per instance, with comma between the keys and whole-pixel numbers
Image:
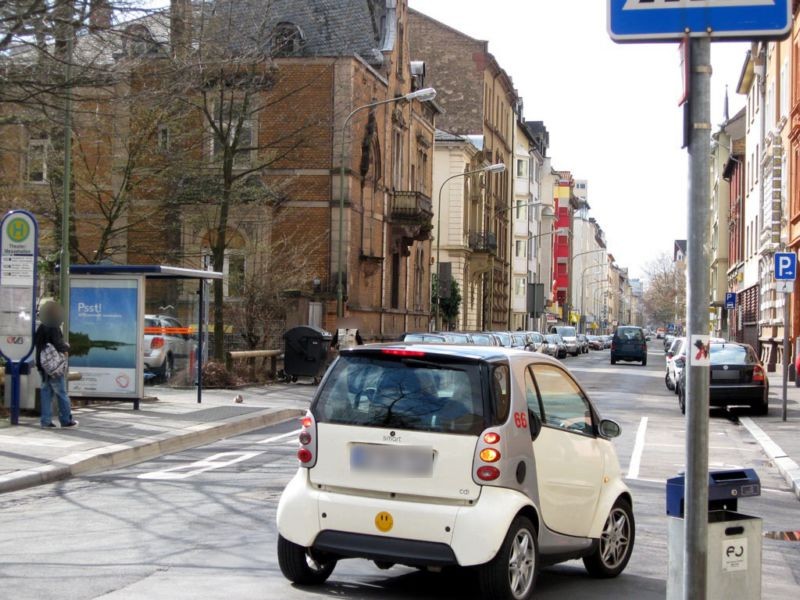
[
  {"x": 734, "y": 540},
  {"x": 305, "y": 351},
  {"x": 29, "y": 385}
]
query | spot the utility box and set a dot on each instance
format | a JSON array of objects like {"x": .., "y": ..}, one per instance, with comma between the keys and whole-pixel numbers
[
  {"x": 734, "y": 540},
  {"x": 29, "y": 385}
]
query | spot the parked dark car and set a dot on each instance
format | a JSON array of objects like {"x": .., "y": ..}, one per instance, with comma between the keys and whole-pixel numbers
[
  {"x": 480, "y": 338},
  {"x": 737, "y": 378},
  {"x": 629, "y": 344},
  {"x": 583, "y": 343},
  {"x": 555, "y": 345},
  {"x": 423, "y": 336},
  {"x": 536, "y": 342},
  {"x": 595, "y": 342}
]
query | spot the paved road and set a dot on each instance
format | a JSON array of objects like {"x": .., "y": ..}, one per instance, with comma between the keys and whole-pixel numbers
[{"x": 201, "y": 524}]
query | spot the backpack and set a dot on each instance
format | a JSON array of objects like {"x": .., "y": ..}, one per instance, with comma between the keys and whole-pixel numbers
[{"x": 53, "y": 362}]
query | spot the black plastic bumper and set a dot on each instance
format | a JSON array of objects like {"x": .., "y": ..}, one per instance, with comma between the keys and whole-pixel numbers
[{"x": 386, "y": 549}]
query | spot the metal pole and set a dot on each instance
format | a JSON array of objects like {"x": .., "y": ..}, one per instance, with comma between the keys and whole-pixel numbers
[
  {"x": 65, "y": 208},
  {"x": 695, "y": 555},
  {"x": 15, "y": 385},
  {"x": 787, "y": 300},
  {"x": 200, "y": 334}
]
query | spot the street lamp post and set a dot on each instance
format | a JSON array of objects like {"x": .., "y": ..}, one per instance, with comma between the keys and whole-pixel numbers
[
  {"x": 494, "y": 168},
  {"x": 569, "y": 287},
  {"x": 423, "y": 95},
  {"x": 583, "y": 286}
]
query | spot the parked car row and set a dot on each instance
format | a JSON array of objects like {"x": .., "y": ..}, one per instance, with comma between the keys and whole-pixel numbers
[{"x": 559, "y": 342}]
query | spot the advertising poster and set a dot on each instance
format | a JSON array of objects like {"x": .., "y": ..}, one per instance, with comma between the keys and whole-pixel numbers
[{"x": 105, "y": 333}]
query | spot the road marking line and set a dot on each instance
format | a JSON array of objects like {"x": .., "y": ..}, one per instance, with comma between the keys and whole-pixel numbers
[
  {"x": 201, "y": 466},
  {"x": 279, "y": 437},
  {"x": 638, "y": 448}
]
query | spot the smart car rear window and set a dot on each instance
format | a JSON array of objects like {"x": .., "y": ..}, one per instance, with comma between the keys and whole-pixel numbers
[{"x": 403, "y": 393}]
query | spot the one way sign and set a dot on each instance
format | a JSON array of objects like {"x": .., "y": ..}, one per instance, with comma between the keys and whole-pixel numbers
[{"x": 785, "y": 266}]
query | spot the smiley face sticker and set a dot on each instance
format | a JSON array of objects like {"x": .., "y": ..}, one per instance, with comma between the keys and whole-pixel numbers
[{"x": 384, "y": 522}]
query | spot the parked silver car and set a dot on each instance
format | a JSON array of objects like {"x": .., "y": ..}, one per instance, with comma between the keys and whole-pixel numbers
[{"x": 167, "y": 346}]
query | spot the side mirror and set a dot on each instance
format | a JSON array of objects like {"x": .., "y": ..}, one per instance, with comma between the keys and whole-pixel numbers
[
  {"x": 609, "y": 429},
  {"x": 535, "y": 423}
]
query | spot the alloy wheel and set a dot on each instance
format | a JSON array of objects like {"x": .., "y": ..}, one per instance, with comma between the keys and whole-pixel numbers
[
  {"x": 615, "y": 539},
  {"x": 522, "y": 564}
]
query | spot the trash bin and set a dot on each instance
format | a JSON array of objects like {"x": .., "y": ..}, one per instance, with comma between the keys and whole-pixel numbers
[
  {"x": 734, "y": 539},
  {"x": 29, "y": 385},
  {"x": 305, "y": 351}
]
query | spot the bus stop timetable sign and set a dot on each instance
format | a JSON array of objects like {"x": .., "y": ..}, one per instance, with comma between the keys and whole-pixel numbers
[
  {"x": 671, "y": 20},
  {"x": 19, "y": 234}
]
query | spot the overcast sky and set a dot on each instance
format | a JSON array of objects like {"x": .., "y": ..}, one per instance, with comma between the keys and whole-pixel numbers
[{"x": 611, "y": 110}]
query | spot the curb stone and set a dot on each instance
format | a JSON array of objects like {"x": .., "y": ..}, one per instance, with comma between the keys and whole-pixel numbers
[
  {"x": 140, "y": 450},
  {"x": 788, "y": 468}
]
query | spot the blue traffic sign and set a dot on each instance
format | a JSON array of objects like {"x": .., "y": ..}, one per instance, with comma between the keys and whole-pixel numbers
[
  {"x": 662, "y": 20},
  {"x": 785, "y": 266},
  {"x": 730, "y": 301}
]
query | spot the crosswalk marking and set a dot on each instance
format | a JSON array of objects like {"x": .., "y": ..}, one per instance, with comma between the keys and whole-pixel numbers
[
  {"x": 218, "y": 461},
  {"x": 283, "y": 436},
  {"x": 638, "y": 448}
]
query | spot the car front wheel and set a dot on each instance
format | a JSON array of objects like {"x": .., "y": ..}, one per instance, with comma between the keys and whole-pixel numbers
[
  {"x": 299, "y": 566},
  {"x": 512, "y": 573},
  {"x": 616, "y": 543}
]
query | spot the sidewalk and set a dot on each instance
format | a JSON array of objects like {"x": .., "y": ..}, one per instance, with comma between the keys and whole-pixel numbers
[
  {"x": 112, "y": 435},
  {"x": 780, "y": 441}
]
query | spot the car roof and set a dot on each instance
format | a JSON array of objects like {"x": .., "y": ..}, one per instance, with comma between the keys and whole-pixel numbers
[{"x": 483, "y": 353}]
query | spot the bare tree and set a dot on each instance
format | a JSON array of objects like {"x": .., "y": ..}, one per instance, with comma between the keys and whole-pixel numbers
[
  {"x": 262, "y": 306},
  {"x": 665, "y": 291}
]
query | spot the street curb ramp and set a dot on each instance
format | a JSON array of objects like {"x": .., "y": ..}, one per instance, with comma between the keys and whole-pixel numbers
[{"x": 136, "y": 451}]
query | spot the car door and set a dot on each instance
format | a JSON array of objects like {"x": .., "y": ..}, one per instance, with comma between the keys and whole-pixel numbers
[{"x": 569, "y": 462}]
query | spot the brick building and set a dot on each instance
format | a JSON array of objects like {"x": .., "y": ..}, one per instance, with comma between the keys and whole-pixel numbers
[
  {"x": 479, "y": 101},
  {"x": 244, "y": 109}
]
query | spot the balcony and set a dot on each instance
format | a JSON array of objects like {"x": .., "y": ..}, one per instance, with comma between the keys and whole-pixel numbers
[
  {"x": 411, "y": 218},
  {"x": 411, "y": 207},
  {"x": 481, "y": 241}
]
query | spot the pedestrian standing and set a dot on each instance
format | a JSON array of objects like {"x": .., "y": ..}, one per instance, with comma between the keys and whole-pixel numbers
[{"x": 51, "y": 316}]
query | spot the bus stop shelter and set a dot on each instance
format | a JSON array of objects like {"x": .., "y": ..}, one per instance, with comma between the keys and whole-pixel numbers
[{"x": 160, "y": 272}]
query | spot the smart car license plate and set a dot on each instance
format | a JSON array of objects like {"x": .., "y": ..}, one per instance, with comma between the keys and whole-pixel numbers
[{"x": 408, "y": 461}]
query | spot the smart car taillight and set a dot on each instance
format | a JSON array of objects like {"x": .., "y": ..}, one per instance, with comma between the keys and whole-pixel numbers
[
  {"x": 491, "y": 438},
  {"x": 156, "y": 343},
  {"x": 307, "y": 454},
  {"x": 758, "y": 374},
  {"x": 490, "y": 455},
  {"x": 488, "y": 473}
]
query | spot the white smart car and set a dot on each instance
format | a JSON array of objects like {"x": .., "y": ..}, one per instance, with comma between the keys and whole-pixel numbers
[{"x": 433, "y": 456}]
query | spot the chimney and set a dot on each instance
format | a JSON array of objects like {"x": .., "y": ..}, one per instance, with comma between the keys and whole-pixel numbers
[
  {"x": 100, "y": 15},
  {"x": 180, "y": 27}
]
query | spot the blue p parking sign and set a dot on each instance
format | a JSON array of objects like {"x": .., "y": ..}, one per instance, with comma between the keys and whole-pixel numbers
[
  {"x": 730, "y": 301},
  {"x": 785, "y": 266}
]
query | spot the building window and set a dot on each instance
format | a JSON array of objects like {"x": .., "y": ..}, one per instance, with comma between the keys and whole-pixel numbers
[
  {"x": 784, "y": 91},
  {"x": 225, "y": 136},
  {"x": 394, "y": 291},
  {"x": 37, "y": 159},
  {"x": 233, "y": 270},
  {"x": 519, "y": 248},
  {"x": 163, "y": 138},
  {"x": 522, "y": 168},
  {"x": 287, "y": 40},
  {"x": 397, "y": 159}
]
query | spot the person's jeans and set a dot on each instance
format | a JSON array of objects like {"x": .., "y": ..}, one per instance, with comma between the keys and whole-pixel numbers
[{"x": 55, "y": 386}]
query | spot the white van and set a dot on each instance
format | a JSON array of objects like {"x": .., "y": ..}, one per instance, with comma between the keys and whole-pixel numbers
[{"x": 433, "y": 455}]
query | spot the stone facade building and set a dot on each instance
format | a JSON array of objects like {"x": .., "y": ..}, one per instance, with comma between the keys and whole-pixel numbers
[
  {"x": 479, "y": 99},
  {"x": 237, "y": 118}
]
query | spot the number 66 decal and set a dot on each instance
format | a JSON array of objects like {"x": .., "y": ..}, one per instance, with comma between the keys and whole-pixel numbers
[{"x": 521, "y": 420}]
